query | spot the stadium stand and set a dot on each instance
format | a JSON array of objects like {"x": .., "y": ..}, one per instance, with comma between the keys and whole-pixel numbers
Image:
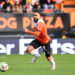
[{"x": 42, "y": 6}]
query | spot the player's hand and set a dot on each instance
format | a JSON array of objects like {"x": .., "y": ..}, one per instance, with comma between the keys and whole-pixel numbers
[{"x": 26, "y": 30}]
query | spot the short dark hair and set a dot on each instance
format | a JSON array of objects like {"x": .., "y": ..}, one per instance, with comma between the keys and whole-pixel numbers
[{"x": 36, "y": 12}]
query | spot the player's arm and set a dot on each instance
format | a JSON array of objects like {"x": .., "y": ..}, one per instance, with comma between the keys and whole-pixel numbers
[
  {"x": 32, "y": 32},
  {"x": 37, "y": 33}
]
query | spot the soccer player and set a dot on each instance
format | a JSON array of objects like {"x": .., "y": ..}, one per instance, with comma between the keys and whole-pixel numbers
[{"x": 42, "y": 39}]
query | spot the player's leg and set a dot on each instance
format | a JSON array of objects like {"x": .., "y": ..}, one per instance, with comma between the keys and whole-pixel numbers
[
  {"x": 47, "y": 51},
  {"x": 32, "y": 49},
  {"x": 51, "y": 59}
]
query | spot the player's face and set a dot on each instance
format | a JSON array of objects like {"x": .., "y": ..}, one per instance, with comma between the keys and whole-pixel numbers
[{"x": 36, "y": 16}]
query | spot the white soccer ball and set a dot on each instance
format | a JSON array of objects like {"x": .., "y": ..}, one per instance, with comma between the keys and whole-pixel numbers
[{"x": 3, "y": 66}]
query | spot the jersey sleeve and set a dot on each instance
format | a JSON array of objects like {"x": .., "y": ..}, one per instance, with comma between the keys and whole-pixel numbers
[
  {"x": 38, "y": 31},
  {"x": 34, "y": 33}
]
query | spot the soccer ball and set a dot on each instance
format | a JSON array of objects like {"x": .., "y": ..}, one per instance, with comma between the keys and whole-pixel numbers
[{"x": 3, "y": 66}]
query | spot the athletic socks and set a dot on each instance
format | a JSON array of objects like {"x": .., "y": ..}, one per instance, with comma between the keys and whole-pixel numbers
[
  {"x": 52, "y": 64},
  {"x": 36, "y": 55}
]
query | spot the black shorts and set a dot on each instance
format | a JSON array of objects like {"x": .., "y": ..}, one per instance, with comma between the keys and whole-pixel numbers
[{"x": 46, "y": 47}]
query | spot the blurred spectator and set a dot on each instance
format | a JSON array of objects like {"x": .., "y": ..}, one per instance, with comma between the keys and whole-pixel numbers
[
  {"x": 2, "y": 4},
  {"x": 24, "y": 7},
  {"x": 58, "y": 5},
  {"x": 37, "y": 7},
  {"x": 2, "y": 1},
  {"x": 50, "y": 4},
  {"x": 17, "y": 8},
  {"x": 7, "y": 7},
  {"x": 33, "y": 2},
  {"x": 46, "y": 10},
  {"x": 12, "y": 2},
  {"x": 42, "y": 2},
  {"x": 29, "y": 6},
  {"x": 32, "y": 5}
]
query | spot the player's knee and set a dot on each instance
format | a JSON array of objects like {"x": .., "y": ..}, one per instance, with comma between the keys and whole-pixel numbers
[
  {"x": 49, "y": 59},
  {"x": 29, "y": 49},
  {"x": 48, "y": 55}
]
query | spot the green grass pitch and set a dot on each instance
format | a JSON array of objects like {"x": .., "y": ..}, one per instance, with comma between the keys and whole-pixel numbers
[{"x": 20, "y": 65}]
